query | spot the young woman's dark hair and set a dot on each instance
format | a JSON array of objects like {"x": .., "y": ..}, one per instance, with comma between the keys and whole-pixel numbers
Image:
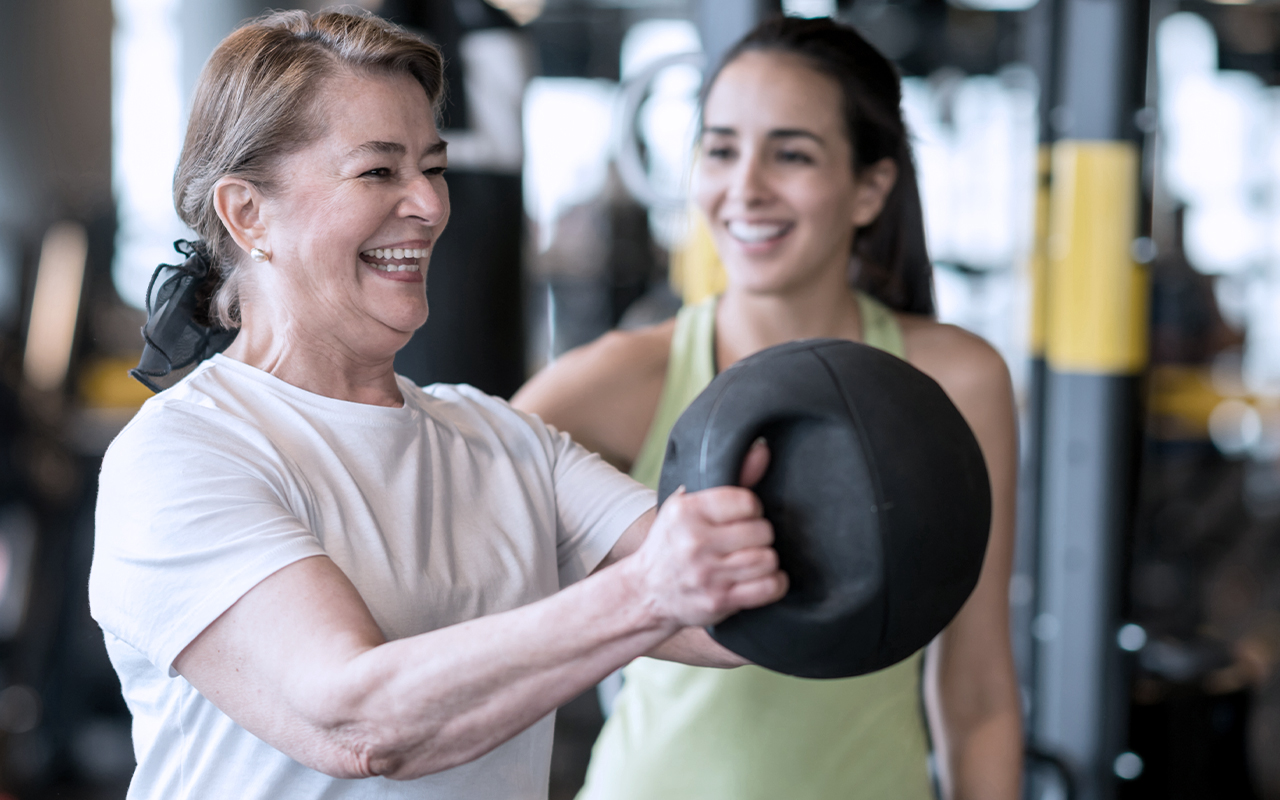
[{"x": 892, "y": 262}]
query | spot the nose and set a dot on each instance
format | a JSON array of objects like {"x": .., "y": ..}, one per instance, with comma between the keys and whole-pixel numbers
[
  {"x": 748, "y": 183},
  {"x": 427, "y": 200}
]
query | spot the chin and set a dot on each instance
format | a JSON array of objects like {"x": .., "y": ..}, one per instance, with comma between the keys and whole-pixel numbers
[
  {"x": 757, "y": 279},
  {"x": 395, "y": 327},
  {"x": 392, "y": 340},
  {"x": 408, "y": 324}
]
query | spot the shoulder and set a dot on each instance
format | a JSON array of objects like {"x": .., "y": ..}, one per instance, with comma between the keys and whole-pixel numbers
[
  {"x": 604, "y": 394},
  {"x": 166, "y": 424},
  {"x": 970, "y": 370},
  {"x": 616, "y": 358},
  {"x": 184, "y": 432},
  {"x": 472, "y": 412}
]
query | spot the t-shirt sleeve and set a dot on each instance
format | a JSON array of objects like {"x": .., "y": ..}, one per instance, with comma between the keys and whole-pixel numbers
[
  {"x": 595, "y": 504},
  {"x": 192, "y": 513}
]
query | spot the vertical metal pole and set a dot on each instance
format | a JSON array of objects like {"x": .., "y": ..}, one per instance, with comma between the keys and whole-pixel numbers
[
  {"x": 1037, "y": 40},
  {"x": 1025, "y": 581},
  {"x": 1095, "y": 349}
]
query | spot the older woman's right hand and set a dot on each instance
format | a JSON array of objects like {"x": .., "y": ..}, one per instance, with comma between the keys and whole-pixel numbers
[{"x": 707, "y": 556}]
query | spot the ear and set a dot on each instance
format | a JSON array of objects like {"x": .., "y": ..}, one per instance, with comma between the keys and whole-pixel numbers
[
  {"x": 239, "y": 206},
  {"x": 874, "y": 183}
]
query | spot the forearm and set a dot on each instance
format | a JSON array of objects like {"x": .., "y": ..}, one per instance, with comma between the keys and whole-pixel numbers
[
  {"x": 695, "y": 647},
  {"x": 976, "y": 721},
  {"x": 430, "y": 702},
  {"x": 984, "y": 761},
  {"x": 300, "y": 662}
]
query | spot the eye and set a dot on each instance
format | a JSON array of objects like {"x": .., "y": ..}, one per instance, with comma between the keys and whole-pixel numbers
[
  {"x": 379, "y": 172},
  {"x": 794, "y": 157},
  {"x": 433, "y": 171},
  {"x": 719, "y": 152}
]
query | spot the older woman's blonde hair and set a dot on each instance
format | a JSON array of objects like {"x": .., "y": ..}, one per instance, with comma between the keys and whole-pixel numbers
[{"x": 255, "y": 103}]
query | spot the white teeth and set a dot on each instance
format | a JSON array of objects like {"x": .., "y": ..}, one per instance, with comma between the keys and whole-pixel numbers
[
  {"x": 397, "y": 252},
  {"x": 751, "y": 233},
  {"x": 395, "y": 267}
]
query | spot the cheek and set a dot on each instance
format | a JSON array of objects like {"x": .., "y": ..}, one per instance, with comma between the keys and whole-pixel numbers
[
  {"x": 706, "y": 190},
  {"x": 828, "y": 203},
  {"x": 337, "y": 226}
]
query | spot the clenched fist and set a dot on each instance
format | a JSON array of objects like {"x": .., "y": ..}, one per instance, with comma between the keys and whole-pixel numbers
[{"x": 709, "y": 553}]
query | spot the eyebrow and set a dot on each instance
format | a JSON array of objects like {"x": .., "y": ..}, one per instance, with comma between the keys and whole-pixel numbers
[
  {"x": 776, "y": 133},
  {"x": 396, "y": 149}
]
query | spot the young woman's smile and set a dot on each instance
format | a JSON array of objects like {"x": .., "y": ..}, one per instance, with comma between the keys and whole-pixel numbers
[{"x": 758, "y": 236}]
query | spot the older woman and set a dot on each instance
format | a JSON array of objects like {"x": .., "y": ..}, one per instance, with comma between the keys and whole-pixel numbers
[{"x": 310, "y": 571}]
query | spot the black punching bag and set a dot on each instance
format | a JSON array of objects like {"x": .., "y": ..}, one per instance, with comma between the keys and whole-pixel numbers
[
  {"x": 475, "y": 291},
  {"x": 876, "y": 489}
]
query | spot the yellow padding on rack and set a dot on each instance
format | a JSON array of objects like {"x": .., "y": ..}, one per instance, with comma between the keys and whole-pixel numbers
[
  {"x": 696, "y": 271},
  {"x": 1097, "y": 295},
  {"x": 105, "y": 382}
]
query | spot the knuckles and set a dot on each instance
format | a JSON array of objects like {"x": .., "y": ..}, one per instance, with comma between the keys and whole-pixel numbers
[
  {"x": 725, "y": 503},
  {"x": 710, "y": 555},
  {"x": 767, "y": 559}
]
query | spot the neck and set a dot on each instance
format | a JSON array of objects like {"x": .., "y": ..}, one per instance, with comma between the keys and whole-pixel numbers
[
  {"x": 316, "y": 362},
  {"x": 747, "y": 322}
]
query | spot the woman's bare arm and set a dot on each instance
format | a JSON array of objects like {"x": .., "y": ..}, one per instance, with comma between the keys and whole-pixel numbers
[
  {"x": 693, "y": 646},
  {"x": 299, "y": 661},
  {"x": 971, "y": 688},
  {"x": 604, "y": 394}
]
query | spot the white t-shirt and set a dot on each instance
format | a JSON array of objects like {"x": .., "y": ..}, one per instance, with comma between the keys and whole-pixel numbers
[{"x": 452, "y": 507}]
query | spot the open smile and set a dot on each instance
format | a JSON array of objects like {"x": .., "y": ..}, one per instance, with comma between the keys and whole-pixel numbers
[
  {"x": 395, "y": 259},
  {"x": 757, "y": 234},
  {"x": 397, "y": 263}
]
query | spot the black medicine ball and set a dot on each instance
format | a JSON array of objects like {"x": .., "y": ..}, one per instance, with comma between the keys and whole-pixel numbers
[{"x": 877, "y": 491}]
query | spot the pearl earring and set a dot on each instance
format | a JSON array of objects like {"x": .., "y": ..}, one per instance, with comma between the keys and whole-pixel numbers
[{"x": 258, "y": 254}]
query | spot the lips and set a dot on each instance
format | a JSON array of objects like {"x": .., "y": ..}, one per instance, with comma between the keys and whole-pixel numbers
[
  {"x": 395, "y": 259},
  {"x": 757, "y": 232}
]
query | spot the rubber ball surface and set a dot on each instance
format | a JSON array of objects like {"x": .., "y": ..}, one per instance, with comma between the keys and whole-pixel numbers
[{"x": 877, "y": 491}]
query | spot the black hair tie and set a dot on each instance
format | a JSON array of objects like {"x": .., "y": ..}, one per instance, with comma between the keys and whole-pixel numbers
[{"x": 179, "y": 331}]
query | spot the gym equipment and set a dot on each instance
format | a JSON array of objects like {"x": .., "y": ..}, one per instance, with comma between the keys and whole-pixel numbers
[{"x": 877, "y": 491}]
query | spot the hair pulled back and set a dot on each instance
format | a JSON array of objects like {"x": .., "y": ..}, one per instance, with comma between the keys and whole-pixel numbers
[
  {"x": 892, "y": 261},
  {"x": 255, "y": 102}
]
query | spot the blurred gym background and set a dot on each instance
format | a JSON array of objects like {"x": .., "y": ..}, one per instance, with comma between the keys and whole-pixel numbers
[{"x": 1101, "y": 183}]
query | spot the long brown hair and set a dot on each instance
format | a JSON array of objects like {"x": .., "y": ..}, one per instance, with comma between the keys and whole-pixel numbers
[
  {"x": 255, "y": 103},
  {"x": 892, "y": 261}
]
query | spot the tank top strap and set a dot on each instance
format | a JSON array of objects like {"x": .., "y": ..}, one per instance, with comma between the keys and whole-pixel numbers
[
  {"x": 879, "y": 327},
  {"x": 690, "y": 367}
]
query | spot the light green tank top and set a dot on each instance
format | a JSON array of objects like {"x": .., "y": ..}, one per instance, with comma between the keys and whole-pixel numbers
[{"x": 691, "y": 733}]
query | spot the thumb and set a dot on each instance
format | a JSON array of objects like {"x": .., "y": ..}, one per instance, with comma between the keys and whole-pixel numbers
[{"x": 755, "y": 464}]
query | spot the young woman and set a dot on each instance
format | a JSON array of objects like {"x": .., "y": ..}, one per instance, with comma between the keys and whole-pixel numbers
[{"x": 805, "y": 178}]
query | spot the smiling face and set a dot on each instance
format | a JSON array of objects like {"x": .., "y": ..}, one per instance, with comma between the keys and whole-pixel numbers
[
  {"x": 352, "y": 219},
  {"x": 775, "y": 175}
]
